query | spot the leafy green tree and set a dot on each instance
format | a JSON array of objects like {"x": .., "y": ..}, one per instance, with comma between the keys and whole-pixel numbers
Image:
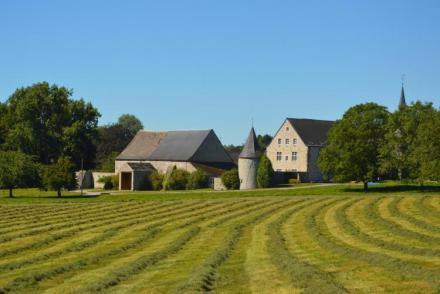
[
  {"x": 265, "y": 173},
  {"x": 80, "y": 133},
  {"x": 197, "y": 180},
  {"x": 59, "y": 175},
  {"x": 3, "y": 126},
  {"x": 264, "y": 141},
  {"x": 425, "y": 155},
  {"x": 352, "y": 148},
  {"x": 44, "y": 122},
  {"x": 112, "y": 139},
  {"x": 17, "y": 170},
  {"x": 401, "y": 131},
  {"x": 230, "y": 179},
  {"x": 131, "y": 123}
]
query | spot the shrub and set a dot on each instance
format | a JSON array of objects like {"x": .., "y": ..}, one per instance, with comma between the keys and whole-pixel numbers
[
  {"x": 59, "y": 176},
  {"x": 115, "y": 182},
  {"x": 265, "y": 173},
  {"x": 198, "y": 180},
  {"x": 177, "y": 180},
  {"x": 231, "y": 180},
  {"x": 156, "y": 179},
  {"x": 107, "y": 181}
]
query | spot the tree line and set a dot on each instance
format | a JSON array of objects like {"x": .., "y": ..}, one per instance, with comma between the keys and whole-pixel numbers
[
  {"x": 370, "y": 143},
  {"x": 46, "y": 135}
]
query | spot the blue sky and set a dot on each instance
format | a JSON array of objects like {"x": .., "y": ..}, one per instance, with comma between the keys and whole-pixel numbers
[{"x": 217, "y": 64}]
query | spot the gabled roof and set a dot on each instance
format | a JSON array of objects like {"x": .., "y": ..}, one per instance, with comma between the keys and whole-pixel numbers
[
  {"x": 142, "y": 145},
  {"x": 250, "y": 147},
  {"x": 313, "y": 132},
  {"x": 192, "y": 146},
  {"x": 179, "y": 145}
]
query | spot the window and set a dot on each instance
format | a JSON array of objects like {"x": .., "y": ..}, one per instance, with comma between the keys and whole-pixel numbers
[
  {"x": 287, "y": 157},
  {"x": 294, "y": 156},
  {"x": 287, "y": 128},
  {"x": 287, "y": 141},
  {"x": 279, "y": 141},
  {"x": 294, "y": 141},
  {"x": 278, "y": 156}
]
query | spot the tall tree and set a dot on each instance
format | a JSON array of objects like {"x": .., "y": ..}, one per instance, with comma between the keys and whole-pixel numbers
[
  {"x": 80, "y": 134},
  {"x": 3, "y": 126},
  {"x": 44, "y": 122},
  {"x": 425, "y": 154},
  {"x": 111, "y": 141},
  {"x": 131, "y": 123},
  {"x": 264, "y": 141},
  {"x": 352, "y": 148},
  {"x": 17, "y": 170},
  {"x": 401, "y": 131}
]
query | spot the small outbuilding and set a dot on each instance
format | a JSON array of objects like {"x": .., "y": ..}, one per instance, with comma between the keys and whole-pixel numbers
[{"x": 162, "y": 151}]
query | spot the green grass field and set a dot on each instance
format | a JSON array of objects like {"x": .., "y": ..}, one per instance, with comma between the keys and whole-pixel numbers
[{"x": 334, "y": 240}]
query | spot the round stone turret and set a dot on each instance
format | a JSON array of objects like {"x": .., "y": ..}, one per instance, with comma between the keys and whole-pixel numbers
[{"x": 248, "y": 163}]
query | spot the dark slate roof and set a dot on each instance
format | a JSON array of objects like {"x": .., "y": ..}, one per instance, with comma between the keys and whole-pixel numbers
[
  {"x": 193, "y": 146},
  {"x": 179, "y": 145},
  {"x": 142, "y": 145},
  {"x": 402, "y": 102},
  {"x": 313, "y": 132},
  {"x": 250, "y": 147}
]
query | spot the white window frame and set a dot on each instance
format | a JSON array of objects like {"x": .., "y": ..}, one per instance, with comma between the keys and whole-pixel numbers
[
  {"x": 279, "y": 156},
  {"x": 294, "y": 156}
]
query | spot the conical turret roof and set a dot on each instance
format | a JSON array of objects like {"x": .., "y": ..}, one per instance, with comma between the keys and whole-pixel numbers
[
  {"x": 402, "y": 102},
  {"x": 250, "y": 147}
]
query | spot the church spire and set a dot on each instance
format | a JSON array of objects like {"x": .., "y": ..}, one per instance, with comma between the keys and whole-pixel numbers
[{"x": 402, "y": 102}]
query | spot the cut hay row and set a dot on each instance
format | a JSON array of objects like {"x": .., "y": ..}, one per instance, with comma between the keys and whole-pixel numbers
[
  {"x": 323, "y": 230},
  {"x": 203, "y": 278},
  {"x": 376, "y": 214},
  {"x": 92, "y": 260},
  {"x": 193, "y": 254},
  {"x": 47, "y": 218},
  {"x": 128, "y": 216},
  {"x": 36, "y": 212},
  {"x": 250, "y": 245},
  {"x": 396, "y": 209},
  {"x": 372, "y": 243},
  {"x": 65, "y": 222},
  {"x": 302, "y": 274}
]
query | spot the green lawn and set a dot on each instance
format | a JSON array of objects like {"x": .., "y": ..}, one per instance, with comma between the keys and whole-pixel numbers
[
  {"x": 333, "y": 239},
  {"x": 388, "y": 188}
]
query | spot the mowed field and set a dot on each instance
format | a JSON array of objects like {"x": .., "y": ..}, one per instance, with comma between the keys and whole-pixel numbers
[{"x": 301, "y": 244}]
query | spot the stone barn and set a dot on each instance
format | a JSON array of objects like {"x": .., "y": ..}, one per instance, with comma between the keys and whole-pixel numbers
[{"x": 162, "y": 151}]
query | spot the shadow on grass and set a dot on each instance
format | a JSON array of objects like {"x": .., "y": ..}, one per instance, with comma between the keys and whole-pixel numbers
[{"x": 395, "y": 188}]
